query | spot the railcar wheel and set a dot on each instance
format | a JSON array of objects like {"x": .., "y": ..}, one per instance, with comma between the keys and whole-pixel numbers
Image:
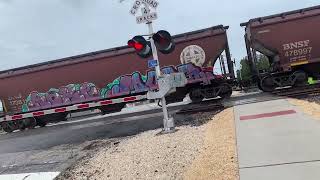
[
  {"x": 112, "y": 108},
  {"x": 226, "y": 91},
  {"x": 259, "y": 85},
  {"x": 63, "y": 117},
  {"x": 56, "y": 117},
  {"x": 31, "y": 123},
  {"x": 267, "y": 84},
  {"x": 300, "y": 78},
  {"x": 21, "y": 125},
  {"x": 41, "y": 122},
  {"x": 6, "y": 127},
  {"x": 196, "y": 96}
]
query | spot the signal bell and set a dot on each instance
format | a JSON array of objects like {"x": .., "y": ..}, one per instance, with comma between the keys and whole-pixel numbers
[
  {"x": 163, "y": 41},
  {"x": 142, "y": 47}
]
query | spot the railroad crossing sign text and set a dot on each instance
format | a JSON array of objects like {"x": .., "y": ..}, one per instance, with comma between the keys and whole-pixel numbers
[
  {"x": 152, "y": 3},
  {"x": 147, "y": 18},
  {"x": 135, "y": 7}
]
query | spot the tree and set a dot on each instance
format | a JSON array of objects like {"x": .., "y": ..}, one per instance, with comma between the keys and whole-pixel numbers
[
  {"x": 245, "y": 75},
  {"x": 263, "y": 62}
]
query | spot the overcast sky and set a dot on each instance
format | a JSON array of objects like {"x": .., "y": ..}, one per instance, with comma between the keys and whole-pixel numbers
[{"x": 33, "y": 31}]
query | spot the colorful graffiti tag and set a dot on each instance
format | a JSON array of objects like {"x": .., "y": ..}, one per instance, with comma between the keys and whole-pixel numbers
[
  {"x": 72, "y": 93},
  {"x": 121, "y": 86}
]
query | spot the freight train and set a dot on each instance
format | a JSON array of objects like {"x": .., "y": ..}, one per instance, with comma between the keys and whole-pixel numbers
[
  {"x": 109, "y": 79},
  {"x": 291, "y": 42}
]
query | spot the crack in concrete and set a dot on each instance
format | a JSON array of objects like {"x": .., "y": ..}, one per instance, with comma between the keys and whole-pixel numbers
[{"x": 280, "y": 164}]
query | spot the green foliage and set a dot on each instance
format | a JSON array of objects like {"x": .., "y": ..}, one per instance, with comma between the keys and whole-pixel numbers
[
  {"x": 245, "y": 73},
  {"x": 263, "y": 62}
]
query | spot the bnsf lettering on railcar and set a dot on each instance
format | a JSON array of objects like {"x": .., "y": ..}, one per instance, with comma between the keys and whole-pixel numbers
[
  {"x": 296, "y": 45},
  {"x": 300, "y": 49}
]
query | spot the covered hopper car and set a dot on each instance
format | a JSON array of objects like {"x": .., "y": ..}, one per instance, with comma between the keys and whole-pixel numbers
[
  {"x": 291, "y": 41},
  {"x": 109, "y": 79}
]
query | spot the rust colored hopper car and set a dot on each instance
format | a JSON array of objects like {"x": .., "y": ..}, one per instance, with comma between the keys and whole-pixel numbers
[
  {"x": 108, "y": 79},
  {"x": 291, "y": 41}
]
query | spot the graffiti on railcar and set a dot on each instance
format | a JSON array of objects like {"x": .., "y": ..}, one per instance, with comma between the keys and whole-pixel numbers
[
  {"x": 72, "y": 93},
  {"x": 15, "y": 102},
  {"x": 124, "y": 85}
]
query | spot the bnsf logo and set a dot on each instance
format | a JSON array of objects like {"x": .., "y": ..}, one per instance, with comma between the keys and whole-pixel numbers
[
  {"x": 296, "y": 50},
  {"x": 296, "y": 45}
]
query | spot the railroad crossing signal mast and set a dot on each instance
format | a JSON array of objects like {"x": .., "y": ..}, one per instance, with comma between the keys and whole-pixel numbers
[{"x": 144, "y": 49}]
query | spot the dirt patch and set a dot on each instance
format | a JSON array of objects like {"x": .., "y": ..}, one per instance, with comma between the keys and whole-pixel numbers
[
  {"x": 218, "y": 157},
  {"x": 195, "y": 119},
  {"x": 167, "y": 156},
  {"x": 95, "y": 145},
  {"x": 307, "y": 106},
  {"x": 88, "y": 150},
  {"x": 313, "y": 98}
]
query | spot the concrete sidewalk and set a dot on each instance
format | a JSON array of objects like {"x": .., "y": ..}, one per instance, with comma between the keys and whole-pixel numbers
[{"x": 275, "y": 140}]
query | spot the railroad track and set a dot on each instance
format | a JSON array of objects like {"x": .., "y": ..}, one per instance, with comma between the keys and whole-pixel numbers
[
  {"x": 204, "y": 106},
  {"x": 299, "y": 91},
  {"x": 216, "y": 104}
]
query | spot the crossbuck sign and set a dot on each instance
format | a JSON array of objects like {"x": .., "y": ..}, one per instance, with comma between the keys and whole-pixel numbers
[{"x": 147, "y": 15}]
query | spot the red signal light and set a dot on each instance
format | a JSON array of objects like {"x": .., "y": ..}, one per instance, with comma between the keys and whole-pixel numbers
[
  {"x": 136, "y": 45},
  {"x": 141, "y": 46}
]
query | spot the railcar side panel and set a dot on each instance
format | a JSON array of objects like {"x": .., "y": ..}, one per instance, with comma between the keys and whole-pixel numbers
[{"x": 292, "y": 36}]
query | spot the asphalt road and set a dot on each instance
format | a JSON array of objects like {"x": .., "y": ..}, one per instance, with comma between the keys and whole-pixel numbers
[{"x": 54, "y": 148}]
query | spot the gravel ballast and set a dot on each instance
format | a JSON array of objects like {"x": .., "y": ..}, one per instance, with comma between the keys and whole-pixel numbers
[
  {"x": 308, "y": 106},
  {"x": 206, "y": 151},
  {"x": 218, "y": 156}
]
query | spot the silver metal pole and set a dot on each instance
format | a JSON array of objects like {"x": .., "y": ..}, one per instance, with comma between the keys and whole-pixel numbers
[{"x": 168, "y": 123}]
